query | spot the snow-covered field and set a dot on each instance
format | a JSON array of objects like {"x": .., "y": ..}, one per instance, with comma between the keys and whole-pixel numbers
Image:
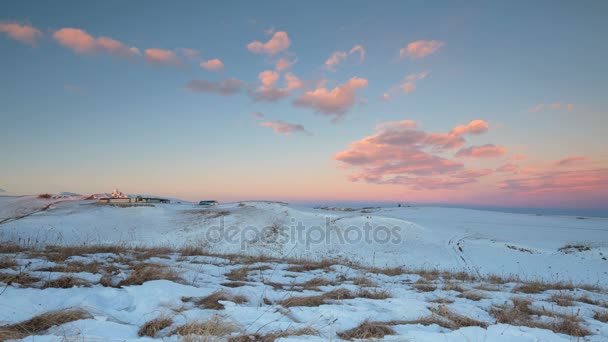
[{"x": 413, "y": 273}]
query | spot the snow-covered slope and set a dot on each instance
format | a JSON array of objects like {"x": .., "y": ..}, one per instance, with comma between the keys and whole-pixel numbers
[{"x": 479, "y": 242}]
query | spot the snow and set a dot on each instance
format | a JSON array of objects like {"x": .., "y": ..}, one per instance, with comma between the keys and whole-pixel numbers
[{"x": 477, "y": 242}]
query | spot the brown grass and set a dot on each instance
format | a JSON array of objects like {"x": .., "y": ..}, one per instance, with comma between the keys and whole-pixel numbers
[
  {"x": 363, "y": 281},
  {"x": 372, "y": 294},
  {"x": 238, "y": 274},
  {"x": 271, "y": 337},
  {"x": 61, "y": 253},
  {"x": 367, "y": 330},
  {"x": 215, "y": 326},
  {"x": 212, "y": 300},
  {"x": 8, "y": 262},
  {"x": 234, "y": 284},
  {"x": 311, "y": 265},
  {"x": 147, "y": 272},
  {"x": 442, "y": 300},
  {"x": 389, "y": 271},
  {"x": 427, "y": 320},
  {"x": 541, "y": 286},
  {"x": 152, "y": 327},
  {"x": 65, "y": 282},
  {"x": 459, "y": 320},
  {"x": 562, "y": 299},
  {"x": 41, "y": 323},
  {"x": 318, "y": 300},
  {"x": 472, "y": 295},
  {"x": 10, "y": 248},
  {"x": 151, "y": 252},
  {"x": 452, "y": 286},
  {"x": 23, "y": 279},
  {"x": 601, "y": 316},
  {"x": 424, "y": 287},
  {"x": 74, "y": 267},
  {"x": 45, "y": 196},
  {"x": 314, "y": 283}
]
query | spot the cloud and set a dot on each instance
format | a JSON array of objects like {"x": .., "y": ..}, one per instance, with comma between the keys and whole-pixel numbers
[
  {"x": 213, "y": 64},
  {"x": 23, "y": 33},
  {"x": 268, "y": 91},
  {"x": 519, "y": 156},
  {"x": 337, "y": 57},
  {"x": 507, "y": 168},
  {"x": 409, "y": 84},
  {"x": 335, "y": 102},
  {"x": 358, "y": 49},
  {"x": 227, "y": 87},
  {"x": 334, "y": 60},
  {"x": 559, "y": 181},
  {"x": 473, "y": 127},
  {"x": 75, "y": 89},
  {"x": 420, "y": 49},
  {"x": 257, "y": 115},
  {"x": 189, "y": 53},
  {"x": 2, "y": 190},
  {"x": 279, "y": 42},
  {"x": 484, "y": 151},
  {"x": 551, "y": 107},
  {"x": 81, "y": 42},
  {"x": 160, "y": 56},
  {"x": 400, "y": 153},
  {"x": 570, "y": 160},
  {"x": 283, "y": 64},
  {"x": 385, "y": 97},
  {"x": 284, "y": 128}
]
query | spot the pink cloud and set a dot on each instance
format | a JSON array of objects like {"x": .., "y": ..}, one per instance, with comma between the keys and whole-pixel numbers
[
  {"x": 385, "y": 97},
  {"x": 283, "y": 64},
  {"x": 268, "y": 90},
  {"x": 293, "y": 82},
  {"x": 570, "y": 160},
  {"x": 484, "y": 151},
  {"x": 358, "y": 49},
  {"x": 334, "y": 60},
  {"x": 473, "y": 127},
  {"x": 399, "y": 153},
  {"x": 279, "y": 42},
  {"x": 227, "y": 87},
  {"x": 23, "y": 33},
  {"x": 507, "y": 168},
  {"x": 551, "y": 106},
  {"x": 335, "y": 102},
  {"x": 81, "y": 42},
  {"x": 75, "y": 89},
  {"x": 537, "y": 108},
  {"x": 189, "y": 53},
  {"x": 284, "y": 128},
  {"x": 519, "y": 156},
  {"x": 409, "y": 84},
  {"x": 213, "y": 64},
  {"x": 160, "y": 56},
  {"x": 569, "y": 182},
  {"x": 570, "y": 107},
  {"x": 420, "y": 49}
]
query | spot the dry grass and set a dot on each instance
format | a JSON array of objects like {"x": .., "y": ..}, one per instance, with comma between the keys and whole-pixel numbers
[
  {"x": 311, "y": 265},
  {"x": 152, "y": 327},
  {"x": 459, "y": 320},
  {"x": 23, "y": 279},
  {"x": 215, "y": 326},
  {"x": 487, "y": 287},
  {"x": 601, "y": 316},
  {"x": 147, "y": 272},
  {"x": 389, "y": 271},
  {"x": 367, "y": 330},
  {"x": 472, "y": 295},
  {"x": 520, "y": 314},
  {"x": 61, "y": 253},
  {"x": 8, "y": 262},
  {"x": 363, "y": 281},
  {"x": 442, "y": 300},
  {"x": 65, "y": 282},
  {"x": 427, "y": 320},
  {"x": 74, "y": 267},
  {"x": 45, "y": 196},
  {"x": 271, "y": 337},
  {"x": 421, "y": 287},
  {"x": 562, "y": 299},
  {"x": 212, "y": 301},
  {"x": 194, "y": 250},
  {"x": 41, "y": 323},
  {"x": 372, "y": 294},
  {"x": 234, "y": 284},
  {"x": 541, "y": 286},
  {"x": 318, "y": 300},
  {"x": 152, "y": 252},
  {"x": 452, "y": 286},
  {"x": 314, "y": 283},
  {"x": 10, "y": 248},
  {"x": 238, "y": 274}
]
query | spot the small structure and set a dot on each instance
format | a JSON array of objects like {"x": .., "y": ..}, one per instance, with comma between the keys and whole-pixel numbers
[
  {"x": 208, "y": 203},
  {"x": 119, "y": 197}
]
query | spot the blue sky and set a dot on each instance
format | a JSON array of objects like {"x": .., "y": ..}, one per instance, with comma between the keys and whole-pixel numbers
[{"x": 88, "y": 122}]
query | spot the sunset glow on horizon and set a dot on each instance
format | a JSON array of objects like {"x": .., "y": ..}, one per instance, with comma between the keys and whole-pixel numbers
[{"x": 493, "y": 104}]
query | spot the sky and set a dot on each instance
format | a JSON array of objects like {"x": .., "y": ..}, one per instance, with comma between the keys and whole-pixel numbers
[{"x": 473, "y": 103}]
